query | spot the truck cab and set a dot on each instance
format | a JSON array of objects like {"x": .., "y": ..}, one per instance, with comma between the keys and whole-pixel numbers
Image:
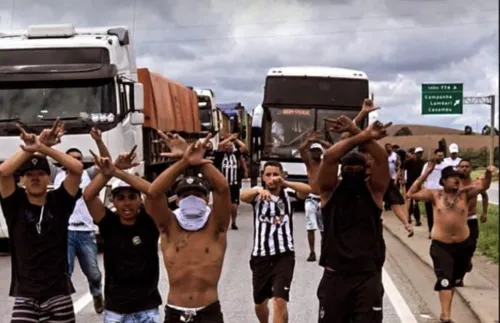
[
  {"x": 210, "y": 118},
  {"x": 85, "y": 76}
]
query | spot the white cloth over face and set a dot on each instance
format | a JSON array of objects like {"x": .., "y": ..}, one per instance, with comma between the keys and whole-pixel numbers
[{"x": 192, "y": 223}]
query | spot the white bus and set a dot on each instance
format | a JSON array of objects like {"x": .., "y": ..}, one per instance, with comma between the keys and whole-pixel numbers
[{"x": 296, "y": 100}]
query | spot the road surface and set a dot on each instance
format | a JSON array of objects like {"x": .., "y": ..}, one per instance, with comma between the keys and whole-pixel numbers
[{"x": 401, "y": 303}]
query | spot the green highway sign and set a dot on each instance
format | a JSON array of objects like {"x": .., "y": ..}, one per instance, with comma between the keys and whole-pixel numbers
[{"x": 442, "y": 98}]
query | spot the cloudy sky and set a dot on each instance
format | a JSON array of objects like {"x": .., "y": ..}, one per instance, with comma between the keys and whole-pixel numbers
[{"x": 228, "y": 46}]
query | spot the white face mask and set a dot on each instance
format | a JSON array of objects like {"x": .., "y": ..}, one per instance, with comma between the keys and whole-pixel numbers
[{"x": 192, "y": 213}]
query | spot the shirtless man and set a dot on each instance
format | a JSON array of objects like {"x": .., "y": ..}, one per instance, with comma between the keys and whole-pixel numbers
[
  {"x": 451, "y": 249},
  {"x": 465, "y": 167},
  {"x": 311, "y": 152},
  {"x": 193, "y": 237}
]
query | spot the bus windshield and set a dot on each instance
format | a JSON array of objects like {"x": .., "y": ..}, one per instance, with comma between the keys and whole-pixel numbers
[
  {"x": 333, "y": 114},
  {"x": 287, "y": 129}
]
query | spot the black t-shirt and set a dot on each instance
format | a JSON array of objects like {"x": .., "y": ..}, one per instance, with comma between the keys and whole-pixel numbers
[
  {"x": 39, "y": 260},
  {"x": 353, "y": 240},
  {"x": 402, "y": 154},
  {"x": 413, "y": 169},
  {"x": 229, "y": 165},
  {"x": 131, "y": 263}
]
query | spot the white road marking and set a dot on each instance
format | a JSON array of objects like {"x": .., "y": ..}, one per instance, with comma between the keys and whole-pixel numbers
[
  {"x": 398, "y": 302},
  {"x": 83, "y": 301}
]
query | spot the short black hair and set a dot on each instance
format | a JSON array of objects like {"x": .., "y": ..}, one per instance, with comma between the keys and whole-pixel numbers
[
  {"x": 438, "y": 150},
  {"x": 273, "y": 163},
  {"x": 74, "y": 150},
  {"x": 465, "y": 160}
]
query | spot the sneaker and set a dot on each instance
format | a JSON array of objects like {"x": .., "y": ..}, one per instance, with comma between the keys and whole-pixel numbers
[
  {"x": 98, "y": 304},
  {"x": 312, "y": 257},
  {"x": 418, "y": 223},
  {"x": 234, "y": 227}
]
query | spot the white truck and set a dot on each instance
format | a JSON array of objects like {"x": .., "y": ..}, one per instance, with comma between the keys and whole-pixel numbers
[
  {"x": 296, "y": 100},
  {"x": 87, "y": 77},
  {"x": 210, "y": 116}
]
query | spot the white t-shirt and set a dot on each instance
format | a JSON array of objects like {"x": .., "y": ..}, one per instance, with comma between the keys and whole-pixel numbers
[
  {"x": 393, "y": 159},
  {"x": 452, "y": 162},
  {"x": 432, "y": 181},
  {"x": 80, "y": 220}
]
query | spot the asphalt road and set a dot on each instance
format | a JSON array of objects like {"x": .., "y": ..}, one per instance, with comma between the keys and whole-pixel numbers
[{"x": 401, "y": 303}]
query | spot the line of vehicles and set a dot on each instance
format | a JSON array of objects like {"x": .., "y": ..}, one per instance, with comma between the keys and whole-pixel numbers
[{"x": 88, "y": 77}]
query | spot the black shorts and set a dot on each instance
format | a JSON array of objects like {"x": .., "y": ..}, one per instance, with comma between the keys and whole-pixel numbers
[
  {"x": 210, "y": 314},
  {"x": 451, "y": 261},
  {"x": 350, "y": 298},
  {"x": 474, "y": 230},
  {"x": 393, "y": 196},
  {"x": 272, "y": 276},
  {"x": 235, "y": 194}
]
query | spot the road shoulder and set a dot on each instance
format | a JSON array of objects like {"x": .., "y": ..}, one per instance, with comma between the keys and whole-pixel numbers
[{"x": 481, "y": 285}]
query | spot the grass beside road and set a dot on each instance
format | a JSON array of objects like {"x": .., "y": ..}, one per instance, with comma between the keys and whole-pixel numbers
[
  {"x": 488, "y": 232},
  {"x": 479, "y": 172}
]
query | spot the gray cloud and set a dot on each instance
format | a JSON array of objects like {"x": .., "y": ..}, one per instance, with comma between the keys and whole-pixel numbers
[{"x": 229, "y": 46}]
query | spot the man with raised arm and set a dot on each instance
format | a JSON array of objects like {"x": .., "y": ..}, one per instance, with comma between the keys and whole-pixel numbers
[
  {"x": 228, "y": 158},
  {"x": 465, "y": 166},
  {"x": 353, "y": 249},
  {"x": 37, "y": 221},
  {"x": 130, "y": 235},
  {"x": 311, "y": 151},
  {"x": 81, "y": 236},
  {"x": 392, "y": 196},
  {"x": 193, "y": 237},
  {"x": 273, "y": 255},
  {"x": 451, "y": 249}
]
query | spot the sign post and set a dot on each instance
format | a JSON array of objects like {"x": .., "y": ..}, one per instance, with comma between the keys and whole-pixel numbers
[{"x": 442, "y": 98}]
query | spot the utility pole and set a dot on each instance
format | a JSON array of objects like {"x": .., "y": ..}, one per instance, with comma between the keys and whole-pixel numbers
[{"x": 488, "y": 100}]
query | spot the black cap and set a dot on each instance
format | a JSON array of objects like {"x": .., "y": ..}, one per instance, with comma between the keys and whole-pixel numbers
[
  {"x": 450, "y": 171},
  {"x": 36, "y": 162},
  {"x": 411, "y": 150},
  {"x": 189, "y": 183}
]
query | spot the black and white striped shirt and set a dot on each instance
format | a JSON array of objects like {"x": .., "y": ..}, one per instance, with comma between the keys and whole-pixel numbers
[
  {"x": 273, "y": 224},
  {"x": 229, "y": 165}
]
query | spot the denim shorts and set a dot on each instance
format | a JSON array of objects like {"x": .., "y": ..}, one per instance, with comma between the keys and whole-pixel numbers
[{"x": 147, "y": 316}]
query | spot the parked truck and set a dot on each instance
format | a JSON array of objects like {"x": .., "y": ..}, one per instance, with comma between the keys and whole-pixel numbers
[
  {"x": 88, "y": 78},
  {"x": 210, "y": 116}
]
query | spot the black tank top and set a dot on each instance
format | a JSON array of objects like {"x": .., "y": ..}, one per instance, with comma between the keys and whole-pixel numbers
[{"x": 353, "y": 240}]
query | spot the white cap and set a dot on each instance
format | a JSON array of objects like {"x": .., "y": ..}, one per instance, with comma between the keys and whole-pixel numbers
[
  {"x": 316, "y": 146},
  {"x": 119, "y": 184},
  {"x": 453, "y": 148},
  {"x": 419, "y": 150}
]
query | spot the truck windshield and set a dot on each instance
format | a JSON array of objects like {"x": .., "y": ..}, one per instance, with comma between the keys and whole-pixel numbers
[
  {"x": 286, "y": 131},
  {"x": 32, "y": 101},
  {"x": 206, "y": 118}
]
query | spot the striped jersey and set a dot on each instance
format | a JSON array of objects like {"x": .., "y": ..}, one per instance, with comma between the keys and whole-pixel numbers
[
  {"x": 273, "y": 224},
  {"x": 229, "y": 165}
]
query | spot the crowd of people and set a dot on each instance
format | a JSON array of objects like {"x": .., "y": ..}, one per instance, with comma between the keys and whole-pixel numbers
[{"x": 349, "y": 183}]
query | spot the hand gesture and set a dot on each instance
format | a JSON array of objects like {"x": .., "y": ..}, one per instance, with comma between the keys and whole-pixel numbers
[
  {"x": 491, "y": 169},
  {"x": 104, "y": 164},
  {"x": 431, "y": 164},
  {"x": 341, "y": 124},
  {"x": 265, "y": 195},
  {"x": 378, "y": 130},
  {"x": 126, "y": 160},
  {"x": 278, "y": 180},
  {"x": 195, "y": 152},
  {"x": 31, "y": 141},
  {"x": 96, "y": 134},
  {"x": 368, "y": 106},
  {"x": 52, "y": 137},
  {"x": 175, "y": 143}
]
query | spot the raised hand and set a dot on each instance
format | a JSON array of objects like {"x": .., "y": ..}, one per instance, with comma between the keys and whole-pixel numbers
[
  {"x": 96, "y": 134},
  {"x": 31, "y": 141},
  {"x": 175, "y": 143},
  {"x": 378, "y": 130},
  {"x": 431, "y": 164},
  {"x": 278, "y": 180},
  {"x": 341, "y": 124},
  {"x": 104, "y": 164},
  {"x": 52, "y": 137},
  {"x": 368, "y": 106},
  {"x": 491, "y": 169},
  {"x": 195, "y": 152},
  {"x": 126, "y": 160},
  {"x": 265, "y": 195}
]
